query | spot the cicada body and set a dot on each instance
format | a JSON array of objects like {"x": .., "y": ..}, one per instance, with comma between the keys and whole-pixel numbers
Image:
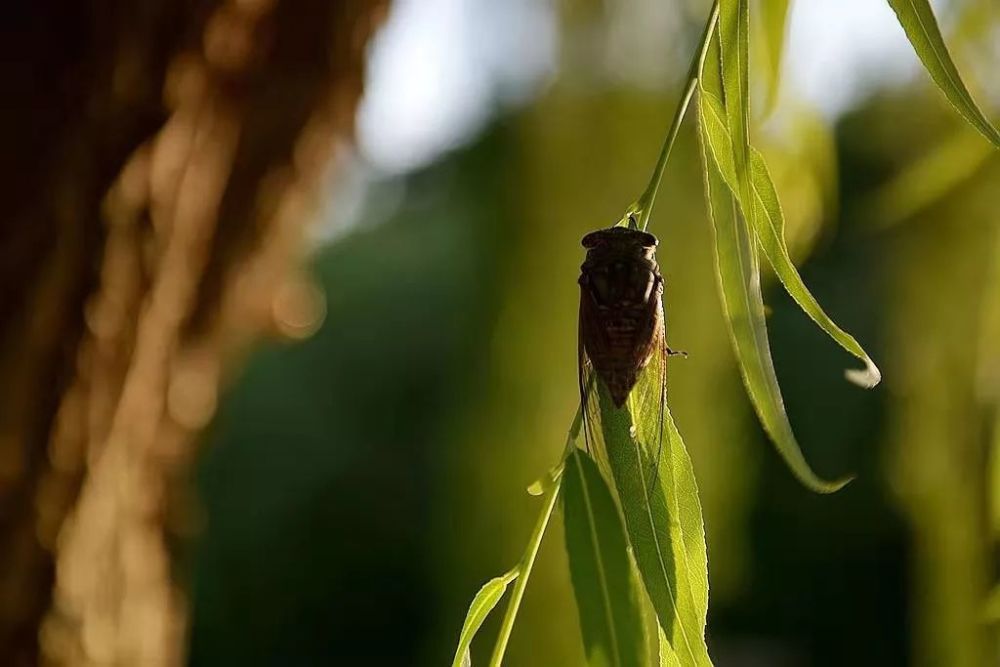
[
  {"x": 621, "y": 309},
  {"x": 622, "y": 339}
]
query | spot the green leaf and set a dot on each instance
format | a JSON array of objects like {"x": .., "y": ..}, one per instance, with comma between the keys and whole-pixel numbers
[
  {"x": 662, "y": 513},
  {"x": 751, "y": 183},
  {"x": 610, "y": 618},
  {"x": 737, "y": 180},
  {"x": 484, "y": 602},
  {"x": 773, "y": 22},
  {"x": 650, "y": 624},
  {"x": 667, "y": 656},
  {"x": 734, "y": 48},
  {"x": 738, "y": 274},
  {"x": 922, "y": 30}
]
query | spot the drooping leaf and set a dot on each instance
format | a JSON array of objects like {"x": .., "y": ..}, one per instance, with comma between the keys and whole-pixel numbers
[
  {"x": 662, "y": 513},
  {"x": 734, "y": 50},
  {"x": 484, "y": 602},
  {"x": 747, "y": 176},
  {"x": 921, "y": 28},
  {"x": 738, "y": 274},
  {"x": 737, "y": 180},
  {"x": 603, "y": 582}
]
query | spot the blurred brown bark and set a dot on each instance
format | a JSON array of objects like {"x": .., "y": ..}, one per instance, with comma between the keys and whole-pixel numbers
[{"x": 159, "y": 158}]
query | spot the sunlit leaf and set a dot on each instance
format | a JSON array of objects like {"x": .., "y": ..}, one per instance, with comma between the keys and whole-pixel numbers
[
  {"x": 739, "y": 283},
  {"x": 736, "y": 181},
  {"x": 650, "y": 624},
  {"x": 603, "y": 582},
  {"x": 922, "y": 29},
  {"x": 733, "y": 38},
  {"x": 484, "y": 602},
  {"x": 662, "y": 515},
  {"x": 667, "y": 656},
  {"x": 746, "y": 174}
]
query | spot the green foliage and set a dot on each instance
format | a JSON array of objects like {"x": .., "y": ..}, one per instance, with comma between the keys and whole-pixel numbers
[
  {"x": 663, "y": 544},
  {"x": 734, "y": 170},
  {"x": 755, "y": 190},
  {"x": 659, "y": 499},
  {"x": 606, "y": 594},
  {"x": 922, "y": 29},
  {"x": 484, "y": 602},
  {"x": 739, "y": 285}
]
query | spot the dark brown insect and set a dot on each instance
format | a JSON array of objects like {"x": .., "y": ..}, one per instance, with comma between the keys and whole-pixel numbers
[{"x": 621, "y": 312}]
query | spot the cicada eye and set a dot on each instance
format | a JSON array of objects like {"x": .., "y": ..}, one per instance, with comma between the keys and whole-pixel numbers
[
  {"x": 648, "y": 240},
  {"x": 592, "y": 240}
]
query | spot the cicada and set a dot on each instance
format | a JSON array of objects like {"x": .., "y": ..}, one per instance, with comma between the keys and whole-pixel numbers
[{"x": 622, "y": 345}]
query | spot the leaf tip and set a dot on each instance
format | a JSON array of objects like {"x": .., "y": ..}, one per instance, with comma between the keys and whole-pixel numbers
[
  {"x": 817, "y": 484},
  {"x": 835, "y": 485},
  {"x": 867, "y": 378},
  {"x": 543, "y": 484}
]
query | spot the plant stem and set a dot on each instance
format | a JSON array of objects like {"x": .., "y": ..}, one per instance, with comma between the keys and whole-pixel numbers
[
  {"x": 524, "y": 567},
  {"x": 644, "y": 205},
  {"x": 531, "y": 551}
]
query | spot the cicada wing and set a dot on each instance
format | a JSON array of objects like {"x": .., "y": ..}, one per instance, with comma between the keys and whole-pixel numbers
[
  {"x": 649, "y": 400},
  {"x": 589, "y": 329},
  {"x": 642, "y": 416}
]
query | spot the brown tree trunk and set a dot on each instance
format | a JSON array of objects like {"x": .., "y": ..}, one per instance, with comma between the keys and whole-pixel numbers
[{"x": 159, "y": 159}]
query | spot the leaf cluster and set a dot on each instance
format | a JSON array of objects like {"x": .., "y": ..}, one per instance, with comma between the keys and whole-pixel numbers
[{"x": 636, "y": 541}]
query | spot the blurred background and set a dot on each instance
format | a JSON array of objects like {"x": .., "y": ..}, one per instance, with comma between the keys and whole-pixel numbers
[{"x": 357, "y": 488}]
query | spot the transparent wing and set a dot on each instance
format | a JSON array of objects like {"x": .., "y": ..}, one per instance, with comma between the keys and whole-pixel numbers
[{"x": 640, "y": 420}]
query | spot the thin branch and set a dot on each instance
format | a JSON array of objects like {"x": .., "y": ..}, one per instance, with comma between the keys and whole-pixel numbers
[{"x": 643, "y": 206}]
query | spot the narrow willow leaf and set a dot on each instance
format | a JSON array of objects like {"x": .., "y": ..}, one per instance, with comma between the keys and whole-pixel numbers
[
  {"x": 739, "y": 284},
  {"x": 484, "y": 602},
  {"x": 662, "y": 518},
  {"x": 768, "y": 222},
  {"x": 758, "y": 201},
  {"x": 650, "y": 624},
  {"x": 922, "y": 30},
  {"x": 712, "y": 119},
  {"x": 710, "y": 77},
  {"x": 773, "y": 23},
  {"x": 610, "y": 617},
  {"x": 681, "y": 490},
  {"x": 734, "y": 48},
  {"x": 667, "y": 656}
]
